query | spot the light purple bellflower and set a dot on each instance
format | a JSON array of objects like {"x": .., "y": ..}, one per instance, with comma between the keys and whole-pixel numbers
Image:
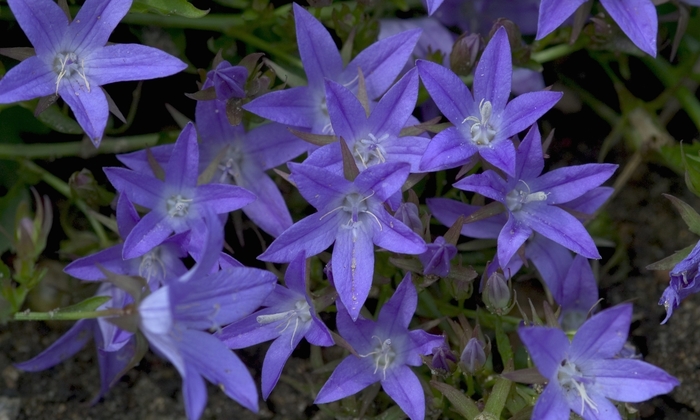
[
  {"x": 684, "y": 281},
  {"x": 288, "y": 317},
  {"x": 585, "y": 373},
  {"x": 73, "y": 61},
  {"x": 637, "y": 19},
  {"x": 385, "y": 350},
  {"x": 484, "y": 122},
  {"x": 305, "y": 106},
  {"x": 351, "y": 215}
]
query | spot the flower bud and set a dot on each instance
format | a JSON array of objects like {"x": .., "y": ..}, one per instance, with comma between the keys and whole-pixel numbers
[
  {"x": 496, "y": 294},
  {"x": 465, "y": 52},
  {"x": 460, "y": 282},
  {"x": 436, "y": 260},
  {"x": 473, "y": 357},
  {"x": 407, "y": 213}
]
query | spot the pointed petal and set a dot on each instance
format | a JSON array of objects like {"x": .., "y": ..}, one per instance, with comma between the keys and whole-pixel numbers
[
  {"x": 144, "y": 190},
  {"x": 551, "y": 404},
  {"x": 350, "y": 377},
  {"x": 638, "y": 20},
  {"x": 500, "y": 154},
  {"x": 43, "y": 22},
  {"x": 489, "y": 184},
  {"x": 295, "y": 276},
  {"x": 397, "y": 237},
  {"x": 110, "y": 259},
  {"x": 66, "y": 346},
  {"x": 603, "y": 335},
  {"x": 148, "y": 233},
  {"x": 530, "y": 158},
  {"x": 296, "y": 107},
  {"x": 398, "y": 311},
  {"x": 248, "y": 331},
  {"x": 423, "y": 343},
  {"x": 591, "y": 201},
  {"x": 121, "y": 62},
  {"x": 194, "y": 392},
  {"x": 448, "y": 211},
  {"x": 311, "y": 235},
  {"x": 183, "y": 166},
  {"x": 409, "y": 149},
  {"x": 492, "y": 77},
  {"x": 403, "y": 386},
  {"x": 578, "y": 290},
  {"x": 127, "y": 217},
  {"x": 138, "y": 161},
  {"x": 448, "y": 149},
  {"x": 275, "y": 359},
  {"x": 559, "y": 226},
  {"x": 272, "y": 145},
  {"x": 448, "y": 91},
  {"x": 382, "y": 62},
  {"x": 31, "y": 78},
  {"x": 358, "y": 332},
  {"x": 392, "y": 111},
  {"x": 318, "y": 186},
  {"x": 317, "y": 49},
  {"x": 268, "y": 211},
  {"x": 525, "y": 110},
  {"x": 89, "y": 107},
  {"x": 220, "y": 366},
  {"x": 553, "y": 13},
  {"x": 511, "y": 237},
  {"x": 547, "y": 347},
  {"x": 112, "y": 363},
  {"x": 630, "y": 380},
  {"x": 345, "y": 111},
  {"x": 94, "y": 24},
  {"x": 566, "y": 184},
  {"x": 214, "y": 129},
  {"x": 432, "y": 5},
  {"x": 318, "y": 333},
  {"x": 553, "y": 261},
  {"x": 382, "y": 180},
  {"x": 353, "y": 267},
  {"x": 222, "y": 198}
]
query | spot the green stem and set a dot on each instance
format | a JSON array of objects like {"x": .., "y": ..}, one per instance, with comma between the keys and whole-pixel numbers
[
  {"x": 502, "y": 342},
  {"x": 63, "y": 316},
  {"x": 668, "y": 75},
  {"x": 64, "y": 189},
  {"x": 77, "y": 148},
  {"x": 214, "y": 22},
  {"x": 555, "y": 52},
  {"x": 247, "y": 36}
]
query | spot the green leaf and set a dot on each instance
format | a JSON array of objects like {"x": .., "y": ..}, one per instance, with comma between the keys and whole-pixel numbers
[
  {"x": 88, "y": 305},
  {"x": 168, "y": 8},
  {"x": 670, "y": 261},
  {"x": 8, "y": 209},
  {"x": 688, "y": 214},
  {"x": 692, "y": 172},
  {"x": 464, "y": 405},
  {"x": 53, "y": 118}
]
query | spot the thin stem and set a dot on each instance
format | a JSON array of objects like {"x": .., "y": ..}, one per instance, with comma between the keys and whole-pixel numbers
[
  {"x": 63, "y": 316},
  {"x": 135, "y": 98},
  {"x": 555, "y": 52},
  {"x": 76, "y": 148}
]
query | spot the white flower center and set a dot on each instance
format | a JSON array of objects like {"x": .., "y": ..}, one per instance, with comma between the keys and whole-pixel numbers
[
  {"x": 571, "y": 379},
  {"x": 517, "y": 197},
  {"x": 369, "y": 151},
  {"x": 68, "y": 65},
  {"x": 383, "y": 355},
  {"x": 482, "y": 131},
  {"x": 354, "y": 205},
  {"x": 178, "y": 206},
  {"x": 300, "y": 315},
  {"x": 152, "y": 265}
]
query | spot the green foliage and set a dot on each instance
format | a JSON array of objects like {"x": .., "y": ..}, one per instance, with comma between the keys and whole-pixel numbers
[{"x": 168, "y": 8}]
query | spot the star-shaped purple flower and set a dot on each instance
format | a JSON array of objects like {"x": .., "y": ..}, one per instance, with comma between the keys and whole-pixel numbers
[
  {"x": 385, "y": 350},
  {"x": 288, "y": 317},
  {"x": 352, "y": 215},
  {"x": 532, "y": 200},
  {"x": 305, "y": 106},
  {"x": 637, "y": 19},
  {"x": 585, "y": 372},
  {"x": 73, "y": 61},
  {"x": 484, "y": 122},
  {"x": 684, "y": 281},
  {"x": 176, "y": 204}
]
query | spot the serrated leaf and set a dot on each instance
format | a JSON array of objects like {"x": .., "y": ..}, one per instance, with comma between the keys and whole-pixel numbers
[
  {"x": 669, "y": 262},
  {"x": 688, "y": 214},
  {"x": 53, "y": 118},
  {"x": 168, "y": 8},
  {"x": 88, "y": 305}
]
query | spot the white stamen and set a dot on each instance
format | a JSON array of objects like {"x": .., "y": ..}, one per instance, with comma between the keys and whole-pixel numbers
[
  {"x": 178, "y": 206},
  {"x": 382, "y": 353},
  {"x": 482, "y": 131}
]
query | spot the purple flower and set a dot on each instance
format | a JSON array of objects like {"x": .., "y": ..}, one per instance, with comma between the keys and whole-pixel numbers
[
  {"x": 407, "y": 213},
  {"x": 532, "y": 200},
  {"x": 637, "y": 19},
  {"x": 176, "y": 204},
  {"x": 73, "y": 61},
  {"x": 584, "y": 373},
  {"x": 288, "y": 317},
  {"x": 473, "y": 356},
  {"x": 228, "y": 81},
  {"x": 436, "y": 260},
  {"x": 375, "y": 138},
  {"x": 352, "y": 215},
  {"x": 385, "y": 350},
  {"x": 435, "y": 37},
  {"x": 485, "y": 122},
  {"x": 305, "y": 106},
  {"x": 683, "y": 283},
  {"x": 578, "y": 294}
]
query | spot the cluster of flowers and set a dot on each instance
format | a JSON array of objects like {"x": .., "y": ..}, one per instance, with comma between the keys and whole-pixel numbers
[{"x": 354, "y": 177}]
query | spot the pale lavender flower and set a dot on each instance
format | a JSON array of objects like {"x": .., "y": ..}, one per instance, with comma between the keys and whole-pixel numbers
[
  {"x": 584, "y": 373},
  {"x": 72, "y": 59},
  {"x": 683, "y": 282}
]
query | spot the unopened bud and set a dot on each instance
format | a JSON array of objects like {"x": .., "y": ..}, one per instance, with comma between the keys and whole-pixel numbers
[
  {"x": 460, "y": 282},
  {"x": 520, "y": 51},
  {"x": 436, "y": 260},
  {"x": 407, "y": 213},
  {"x": 465, "y": 52},
  {"x": 473, "y": 357},
  {"x": 497, "y": 293}
]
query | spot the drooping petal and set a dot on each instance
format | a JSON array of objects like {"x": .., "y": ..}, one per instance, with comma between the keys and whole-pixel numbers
[
  {"x": 547, "y": 347},
  {"x": 551, "y": 404},
  {"x": 194, "y": 391},
  {"x": 222, "y": 198},
  {"x": 488, "y": 183},
  {"x": 395, "y": 236},
  {"x": 398, "y": 311},
  {"x": 89, "y": 105},
  {"x": 448, "y": 91},
  {"x": 492, "y": 77},
  {"x": 552, "y": 261},
  {"x": 112, "y": 363},
  {"x": 183, "y": 166},
  {"x": 66, "y": 346},
  {"x": 553, "y": 13},
  {"x": 637, "y": 19},
  {"x": 559, "y": 226},
  {"x": 353, "y": 267},
  {"x": 345, "y": 111},
  {"x": 43, "y": 22},
  {"x": 392, "y": 111},
  {"x": 122, "y": 62},
  {"x": 448, "y": 149},
  {"x": 32, "y": 78},
  {"x": 268, "y": 211},
  {"x": 271, "y": 145},
  {"x": 94, "y": 24},
  {"x": 381, "y": 62},
  {"x": 317, "y": 49},
  {"x": 511, "y": 237},
  {"x": 318, "y": 186},
  {"x": 630, "y": 380},
  {"x": 143, "y": 190},
  {"x": 603, "y": 335},
  {"x": 448, "y": 211},
  {"x": 297, "y": 106},
  {"x": 525, "y": 110},
  {"x": 310, "y": 235},
  {"x": 275, "y": 359},
  {"x": 500, "y": 154},
  {"x": 403, "y": 386},
  {"x": 382, "y": 181},
  {"x": 579, "y": 290},
  {"x": 148, "y": 233},
  {"x": 350, "y": 377},
  {"x": 566, "y": 184}
]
